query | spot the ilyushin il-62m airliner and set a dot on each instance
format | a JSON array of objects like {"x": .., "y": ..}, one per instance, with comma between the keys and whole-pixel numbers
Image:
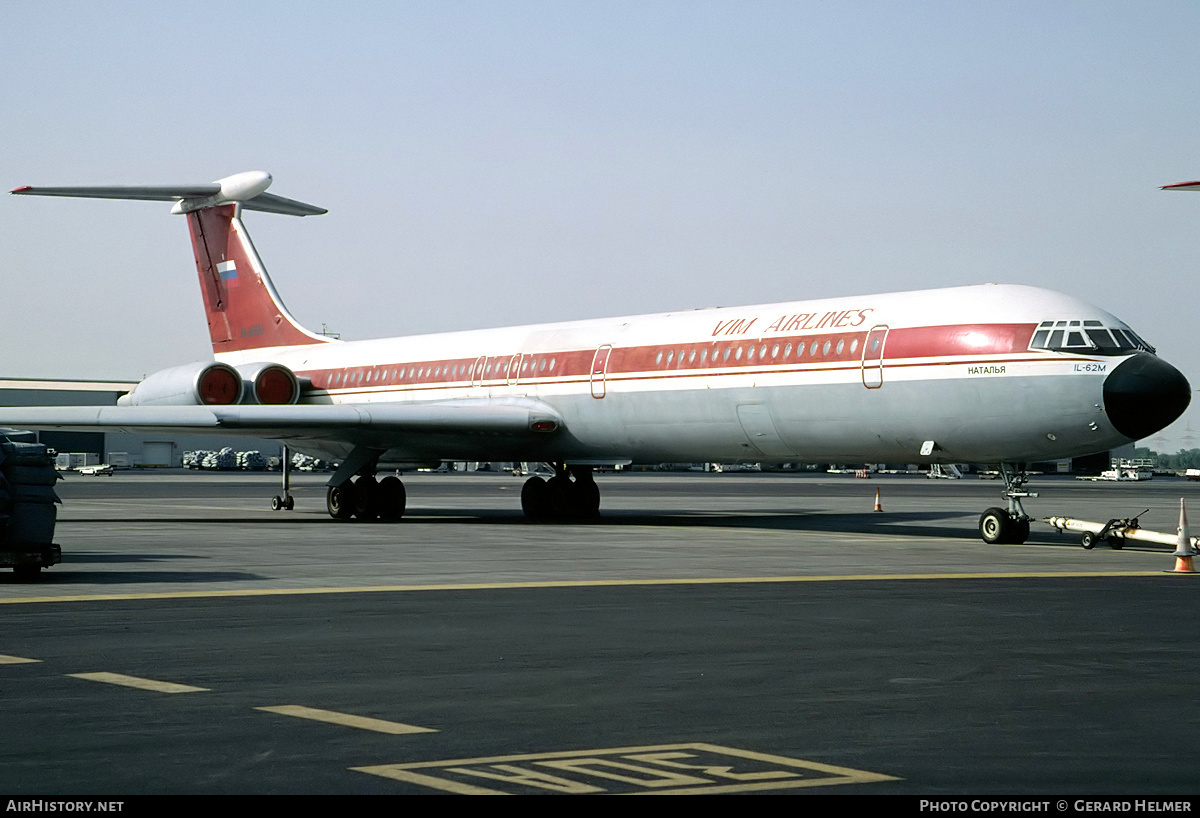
[{"x": 991, "y": 374}]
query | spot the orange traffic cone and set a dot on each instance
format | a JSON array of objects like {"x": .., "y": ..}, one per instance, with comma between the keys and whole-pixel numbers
[
  {"x": 878, "y": 507},
  {"x": 1184, "y": 551}
]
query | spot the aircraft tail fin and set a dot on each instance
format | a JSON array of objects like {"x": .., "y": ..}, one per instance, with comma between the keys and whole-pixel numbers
[{"x": 244, "y": 311}]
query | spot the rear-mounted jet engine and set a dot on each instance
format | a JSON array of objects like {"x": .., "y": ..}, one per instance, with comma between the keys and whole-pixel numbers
[
  {"x": 196, "y": 384},
  {"x": 270, "y": 384}
]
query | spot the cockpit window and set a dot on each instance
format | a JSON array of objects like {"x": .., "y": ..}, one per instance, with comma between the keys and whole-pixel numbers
[{"x": 1090, "y": 337}]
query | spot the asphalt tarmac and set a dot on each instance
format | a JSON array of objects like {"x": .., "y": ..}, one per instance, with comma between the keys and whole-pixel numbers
[{"x": 711, "y": 633}]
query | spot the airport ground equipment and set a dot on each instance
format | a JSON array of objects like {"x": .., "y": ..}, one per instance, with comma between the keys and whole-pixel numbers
[
  {"x": 27, "y": 508},
  {"x": 1114, "y": 532}
]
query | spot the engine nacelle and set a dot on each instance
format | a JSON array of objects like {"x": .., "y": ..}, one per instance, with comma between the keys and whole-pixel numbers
[
  {"x": 269, "y": 384},
  {"x": 198, "y": 384}
]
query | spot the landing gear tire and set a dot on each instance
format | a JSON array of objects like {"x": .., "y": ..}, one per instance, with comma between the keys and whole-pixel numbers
[
  {"x": 366, "y": 498},
  {"x": 995, "y": 526},
  {"x": 561, "y": 497},
  {"x": 535, "y": 498},
  {"x": 277, "y": 503},
  {"x": 339, "y": 501},
  {"x": 391, "y": 498},
  {"x": 586, "y": 499},
  {"x": 1020, "y": 532},
  {"x": 289, "y": 502}
]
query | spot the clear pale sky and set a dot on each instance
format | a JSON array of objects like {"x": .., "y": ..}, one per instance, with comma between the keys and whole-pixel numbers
[{"x": 493, "y": 163}]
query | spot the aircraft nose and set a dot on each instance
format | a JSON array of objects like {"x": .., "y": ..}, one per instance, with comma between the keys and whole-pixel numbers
[{"x": 1145, "y": 394}]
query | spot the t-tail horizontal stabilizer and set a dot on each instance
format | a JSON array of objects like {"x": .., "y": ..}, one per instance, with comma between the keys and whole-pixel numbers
[
  {"x": 243, "y": 309},
  {"x": 247, "y": 189}
]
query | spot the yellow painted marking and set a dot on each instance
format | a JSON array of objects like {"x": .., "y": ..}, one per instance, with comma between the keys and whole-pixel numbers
[
  {"x": 15, "y": 660},
  {"x": 509, "y": 774},
  {"x": 639, "y": 774},
  {"x": 581, "y": 583},
  {"x": 140, "y": 683},
  {"x": 669, "y": 769},
  {"x": 394, "y": 728}
]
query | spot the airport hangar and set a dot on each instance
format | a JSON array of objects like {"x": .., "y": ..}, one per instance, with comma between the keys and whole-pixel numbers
[
  {"x": 167, "y": 450},
  {"x": 142, "y": 450}
]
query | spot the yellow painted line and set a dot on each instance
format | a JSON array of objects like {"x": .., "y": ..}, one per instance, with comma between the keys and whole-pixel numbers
[
  {"x": 580, "y": 583},
  {"x": 393, "y": 728},
  {"x": 135, "y": 681},
  {"x": 15, "y": 660}
]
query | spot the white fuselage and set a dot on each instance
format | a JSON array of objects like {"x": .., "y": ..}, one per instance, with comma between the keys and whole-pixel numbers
[{"x": 876, "y": 378}]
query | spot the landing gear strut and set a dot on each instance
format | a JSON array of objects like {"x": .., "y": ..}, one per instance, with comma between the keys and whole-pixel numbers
[
  {"x": 363, "y": 497},
  {"x": 571, "y": 494},
  {"x": 287, "y": 501},
  {"x": 1008, "y": 525}
]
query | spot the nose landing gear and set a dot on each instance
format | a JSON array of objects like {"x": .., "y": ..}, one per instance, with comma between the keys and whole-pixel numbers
[{"x": 1008, "y": 525}]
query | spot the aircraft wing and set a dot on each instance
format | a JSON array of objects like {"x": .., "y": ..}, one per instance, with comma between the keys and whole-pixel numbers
[{"x": 350, "y": 423}]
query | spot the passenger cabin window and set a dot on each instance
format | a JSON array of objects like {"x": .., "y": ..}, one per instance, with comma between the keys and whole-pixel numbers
[{"x": 1090, "y": 337}]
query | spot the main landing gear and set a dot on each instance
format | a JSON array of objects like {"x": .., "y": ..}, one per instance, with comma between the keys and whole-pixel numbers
[
  {"x": 1008, "y": 525},
  {"x": 571, "y": 494},
  {"x": 354, "y": 491},
  {"x": 366, "y": 498}
]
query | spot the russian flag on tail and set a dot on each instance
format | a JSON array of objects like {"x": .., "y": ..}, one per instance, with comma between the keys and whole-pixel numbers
[{"x": 227, "y": 272}]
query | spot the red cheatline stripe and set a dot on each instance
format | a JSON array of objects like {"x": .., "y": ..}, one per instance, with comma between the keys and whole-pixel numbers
[
  {"x": 645, "y": 361},
  {"x": 743, "y": 371}
]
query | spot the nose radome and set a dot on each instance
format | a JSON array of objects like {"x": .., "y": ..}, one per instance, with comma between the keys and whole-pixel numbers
[{"x": 1145, "y": 394}]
